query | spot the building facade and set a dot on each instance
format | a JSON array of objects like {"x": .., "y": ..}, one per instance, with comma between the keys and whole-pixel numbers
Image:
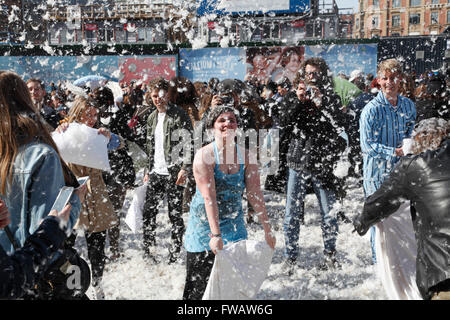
[
  {"x": 65, "y": 22},
  {"x": 386, "y": 18}
]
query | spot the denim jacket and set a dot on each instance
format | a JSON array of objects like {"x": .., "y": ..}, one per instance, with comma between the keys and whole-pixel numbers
[{"x": 36, "y": 181}]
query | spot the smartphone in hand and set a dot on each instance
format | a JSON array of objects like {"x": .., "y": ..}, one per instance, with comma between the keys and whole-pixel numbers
[{"x": 63, "y": 198}]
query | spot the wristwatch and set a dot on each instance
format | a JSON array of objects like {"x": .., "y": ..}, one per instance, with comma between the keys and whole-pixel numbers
[{"x": 215, "y": 235}]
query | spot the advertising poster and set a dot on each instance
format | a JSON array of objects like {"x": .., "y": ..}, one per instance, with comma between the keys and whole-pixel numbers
[
  {"x": 345, "y": 58},
  {"x": 146, "y": 68},
  {"x": 70, "y": 68},
  {"x": 273, "y": 63},
  {"x": 207, "y": 63}
]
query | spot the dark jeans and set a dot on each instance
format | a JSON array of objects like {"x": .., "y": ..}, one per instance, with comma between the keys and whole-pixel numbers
[
  {"x": 295, "y": 195},
  {"x": 96, "y": 253},
  {"x": 198, "y": 270},
  {"x": 160, "y": 186},
  {"x": 116, "y": 193}
]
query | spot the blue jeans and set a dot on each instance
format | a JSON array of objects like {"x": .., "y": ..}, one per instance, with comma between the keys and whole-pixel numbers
[{"x": 296, "y": 191}]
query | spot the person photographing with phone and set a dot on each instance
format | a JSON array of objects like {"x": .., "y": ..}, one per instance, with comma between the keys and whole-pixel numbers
[
  {"x": 312, "y": 122},
  {"x": 31, "y": 169},
  {"x": 21, "y": 270}
]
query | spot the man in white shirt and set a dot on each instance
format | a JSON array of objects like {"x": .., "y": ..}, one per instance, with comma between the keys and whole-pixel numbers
[{"x": 169, "y": 131}]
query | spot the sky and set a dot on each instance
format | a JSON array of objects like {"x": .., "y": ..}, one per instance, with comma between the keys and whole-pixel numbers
[{"x": 348, "y": 4}]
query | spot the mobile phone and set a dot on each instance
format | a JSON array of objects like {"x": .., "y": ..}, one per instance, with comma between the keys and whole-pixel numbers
[
  {"x": 62, "y": 199},
  {"x": 83, "y": 180}
]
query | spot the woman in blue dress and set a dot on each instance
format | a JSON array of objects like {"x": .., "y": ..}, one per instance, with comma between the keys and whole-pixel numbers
[{"x": 222, "y": 171}]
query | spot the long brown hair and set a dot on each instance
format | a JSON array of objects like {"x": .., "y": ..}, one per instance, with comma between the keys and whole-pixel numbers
[{"x": 20, "y": 124}]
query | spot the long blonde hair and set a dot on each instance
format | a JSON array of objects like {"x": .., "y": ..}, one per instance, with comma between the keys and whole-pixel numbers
[
  {"x": 78, "y": 107},
  {"x": 429, "y": 134},
  {"x": 20, "y": 123}
]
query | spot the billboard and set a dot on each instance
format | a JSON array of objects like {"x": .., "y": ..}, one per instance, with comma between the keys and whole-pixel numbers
[
  {"x": 262, "y": 63},
  {"x": 345, "y": 58},
  {"x": 115, "y": 68},
  {"x": 207, "y": 63},
  {"x": 238, "y": 7}
]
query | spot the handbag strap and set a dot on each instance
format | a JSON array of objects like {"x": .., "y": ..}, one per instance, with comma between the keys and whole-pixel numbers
[{"x": 11, "y": 238}]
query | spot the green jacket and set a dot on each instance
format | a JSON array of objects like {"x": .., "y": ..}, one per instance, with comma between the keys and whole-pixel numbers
[
  {"x": 346, "y": 90},
  {"x": 177, "y": 128}
]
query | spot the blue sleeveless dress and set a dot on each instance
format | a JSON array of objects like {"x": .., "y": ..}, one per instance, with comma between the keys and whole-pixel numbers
[{"x": 229, "y": 193}]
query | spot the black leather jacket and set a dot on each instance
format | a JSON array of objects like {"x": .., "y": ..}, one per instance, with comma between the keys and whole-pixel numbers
[
  {"x": 312, "y": 135},
  {"x": 425, "y": 180}
]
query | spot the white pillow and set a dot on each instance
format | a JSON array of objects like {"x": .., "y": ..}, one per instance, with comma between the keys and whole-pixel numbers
[{"x": 82, "y": 145}]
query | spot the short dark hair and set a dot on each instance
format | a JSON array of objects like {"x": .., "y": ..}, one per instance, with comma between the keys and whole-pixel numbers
[
  {"x": 38, "y": 81},
  {"x": 217, "y": 111},
  {"x": 272, "y": 86},
  {"x": 158, "y": 83}
]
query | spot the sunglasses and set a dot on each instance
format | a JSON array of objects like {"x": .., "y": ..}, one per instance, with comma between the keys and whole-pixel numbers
[{"x": 433, "y": 73}]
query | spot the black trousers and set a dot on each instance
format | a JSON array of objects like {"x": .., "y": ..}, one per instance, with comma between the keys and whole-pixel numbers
[
  {"x": 116, "y": 193},
  {"x": 198, "y": 270},
  {"x": 96, "y": 253},
  {"x": 160, "y": 186}
]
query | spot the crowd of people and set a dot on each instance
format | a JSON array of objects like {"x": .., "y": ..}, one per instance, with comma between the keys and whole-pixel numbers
[{"x": 320, "y": 120}]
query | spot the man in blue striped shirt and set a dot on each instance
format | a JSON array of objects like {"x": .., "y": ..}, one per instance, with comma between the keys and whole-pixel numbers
[{"x": 385, "y": 121}]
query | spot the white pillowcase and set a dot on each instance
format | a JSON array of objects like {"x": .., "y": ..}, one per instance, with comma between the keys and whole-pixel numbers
[{"x": 82, "y": 145}]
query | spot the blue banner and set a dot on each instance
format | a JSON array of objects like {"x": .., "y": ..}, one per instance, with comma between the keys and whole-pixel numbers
[
  {"x": 344, "y": 58},
  {"x": 207, "y": 63},
  {"x": 239, "y": 7}
]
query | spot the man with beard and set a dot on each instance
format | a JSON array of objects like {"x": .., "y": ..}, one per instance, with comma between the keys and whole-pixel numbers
[{"x": 312, "y": 121}]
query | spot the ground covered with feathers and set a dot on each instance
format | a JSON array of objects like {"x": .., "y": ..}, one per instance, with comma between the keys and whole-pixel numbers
[{"x": 131, "y": 277}]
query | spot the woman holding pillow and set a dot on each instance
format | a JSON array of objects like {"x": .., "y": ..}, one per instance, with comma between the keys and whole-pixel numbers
[{"x": 97, "y": 214}]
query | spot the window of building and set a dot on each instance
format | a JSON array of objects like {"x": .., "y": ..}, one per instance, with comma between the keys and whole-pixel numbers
[
  {"x": 448, "y": 16},
  {"x": 376, "y": 3},
  {"x": 434, "y": 17},
  {"x": 54, "y": 36},
  {"x": 414, "y": 18},
  {"x": 396, "y": 20},
  {"x": 396, "y": 3},
  {"x": 415, "y": 3},
  {"x": 375, "y": 22},
  {"x": 120, "y": 35},
  {"x": 91, "y": 36},
  {"x": 434, "y": 1}
]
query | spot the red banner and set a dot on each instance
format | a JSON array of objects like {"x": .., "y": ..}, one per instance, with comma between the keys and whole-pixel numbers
[
  {"x": 90, "y": 26},
  {"x": 298, "y": 23}
]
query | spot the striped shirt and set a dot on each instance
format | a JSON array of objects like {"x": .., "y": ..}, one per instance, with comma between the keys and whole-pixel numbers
[{"x": 382, "y": 129}]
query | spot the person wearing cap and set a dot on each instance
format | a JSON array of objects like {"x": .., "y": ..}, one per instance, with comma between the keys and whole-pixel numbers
[
  {"x": 353, "y": 113},
  {"x": 167, "y": 127},
  {"x": 346, "y": 90},
  {"x": 313, "y": 121},
  {"x": 385, "y": 122}
]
